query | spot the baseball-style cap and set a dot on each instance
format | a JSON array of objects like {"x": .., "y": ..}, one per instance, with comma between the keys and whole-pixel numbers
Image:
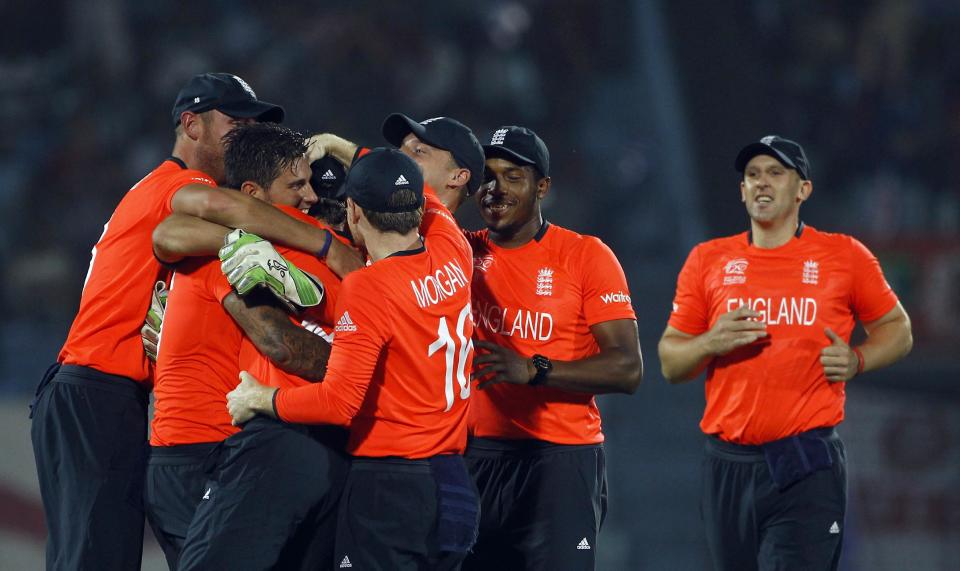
[
  {"x": 444, "y": 133},
  {"x": 786, "y": 151},
  {"x": 374, "y": 177},
  {"x": 226, "y": 93},
  {"x": 326, "y": 176},
  {"x": 519, "y": 145}
]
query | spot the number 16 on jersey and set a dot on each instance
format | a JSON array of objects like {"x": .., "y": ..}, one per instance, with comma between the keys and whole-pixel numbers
[{"x": 453, "y": 355}]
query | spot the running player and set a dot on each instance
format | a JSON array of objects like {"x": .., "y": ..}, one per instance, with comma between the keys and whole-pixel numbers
[
  {"x": 768, "y": 314},
  {"x": 90, "y": 413},
  {"x": 198, "y": 362},
  {"x": 555, "y": 327},
  {"x": 397, "y": 375}
]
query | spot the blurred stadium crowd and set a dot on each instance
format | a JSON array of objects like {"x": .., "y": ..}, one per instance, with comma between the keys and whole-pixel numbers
[{"x": 870, "y": 88}]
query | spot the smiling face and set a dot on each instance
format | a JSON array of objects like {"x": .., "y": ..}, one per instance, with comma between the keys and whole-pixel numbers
[
  {"x": 509, "y": 200},
  {"x": 772, "y": 192},
  {"x": 292, "y": 187}
]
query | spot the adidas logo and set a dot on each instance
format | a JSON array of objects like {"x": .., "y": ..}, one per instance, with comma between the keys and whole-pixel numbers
[
  {"x": 206, "y": 495},
  {"x": 345, "y": 323},
  {"x": 345, "y": 564},
  {"x": 834, "y": 529},
  {"x": 401, "y": 181},
  {"x": 328, "y": 175},
  {"x": 583, "y": 544}
]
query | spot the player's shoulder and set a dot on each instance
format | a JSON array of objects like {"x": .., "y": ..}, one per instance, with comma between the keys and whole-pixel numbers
[
  {"x": 571, "y": 243},
  {"x": 834, "y": 241},
  {"x": 734, "y": 244},
  {"x": 176, "y": 170}
]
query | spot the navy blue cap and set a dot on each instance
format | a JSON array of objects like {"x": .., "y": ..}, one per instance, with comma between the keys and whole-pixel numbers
[
  {"x": 521, "y": 146},
  {"x": 376, "y": 176},
  {"x": 786, "y": 151},
  {"x": 443, "y": 133},
  {"x": 226, "y": 93},
  {"x": 326, "y": 177}
]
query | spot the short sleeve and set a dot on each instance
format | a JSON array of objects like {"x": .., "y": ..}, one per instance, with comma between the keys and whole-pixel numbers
[
  {"x": 605, "y": 293},
  {"x": 689, "y": 313},
  {"x": 872, "y": 296}
]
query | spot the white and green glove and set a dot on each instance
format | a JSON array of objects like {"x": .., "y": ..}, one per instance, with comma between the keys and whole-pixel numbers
[
  {"x": 150, "y": 332},
  {"x": 249, "y": 261}
]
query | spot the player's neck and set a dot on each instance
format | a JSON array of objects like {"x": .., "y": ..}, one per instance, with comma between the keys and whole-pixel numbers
[
  {"x": 452, "y": 198},
  {"x": 517, "y": 236},
  {"x": 773, "y": 234},
  {"x": 384, "y": 244}
]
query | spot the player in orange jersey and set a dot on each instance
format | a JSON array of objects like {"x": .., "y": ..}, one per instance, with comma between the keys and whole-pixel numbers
[
  {"x": 198, "y": 358},
  {"x": 768, "y": 314},
  {"x": 398, "y": 375},
  {"x": 89, "y": 416},
  {"x": 555, "y": 327},
  {"x": 447, "y": 151}
]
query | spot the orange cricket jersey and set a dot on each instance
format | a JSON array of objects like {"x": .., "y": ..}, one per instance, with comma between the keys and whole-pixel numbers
[
  {"x": 542, "y": 298},
  {"x": 319, "y": 320},
  {"x": 105, "y": 334},
  {"x": 400, "y": 367},
  {"x": 776, "y": 387},
  {"x": 197, "y": 359}
]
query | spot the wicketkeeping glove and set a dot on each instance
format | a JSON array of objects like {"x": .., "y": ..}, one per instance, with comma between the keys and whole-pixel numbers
[
  {"x": 249, "y": 261},
  {"x": 150, "y": 333}
]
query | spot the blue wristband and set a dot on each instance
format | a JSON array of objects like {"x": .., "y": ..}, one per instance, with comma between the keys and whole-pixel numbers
[{"x": 326, "y": 245}]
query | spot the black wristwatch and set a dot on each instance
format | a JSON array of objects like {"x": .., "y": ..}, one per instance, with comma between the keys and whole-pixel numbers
[{"x": 543, "y": 366}]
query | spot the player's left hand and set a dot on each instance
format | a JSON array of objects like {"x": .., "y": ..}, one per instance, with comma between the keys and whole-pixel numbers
[
  {"x": 494, "y": 364},
  {"x": 249, "y": 261},
  {"x": 249, "y": 399},
  {"x": 838, "y": 359}
]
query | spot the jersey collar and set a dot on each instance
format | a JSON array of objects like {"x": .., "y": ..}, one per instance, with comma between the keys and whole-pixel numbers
[
  {"x": 543, "y": 230},
  {"x": 796, "y": 234},
  {"x": 177, "y": 160}
]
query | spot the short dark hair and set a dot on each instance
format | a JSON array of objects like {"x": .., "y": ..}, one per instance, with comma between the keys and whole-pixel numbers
[
  {"x": 259, "y": 152},
  {"x": 399, "y": 222}
]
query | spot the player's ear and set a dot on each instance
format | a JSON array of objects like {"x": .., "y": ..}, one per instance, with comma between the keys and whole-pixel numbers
[
  {"x": 743, "y": 191},
  {"x": 543, "y": 187},
  {"x": 253, "y": 189},
  {"x": 805, "y": 190},
  {"x": 191, "y": 123},
  {"x": 460, "y": 177}
]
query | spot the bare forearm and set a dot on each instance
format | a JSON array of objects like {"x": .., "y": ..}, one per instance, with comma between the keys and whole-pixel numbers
[
  {"x": 181, "y": 236},
  {"x": 608, "y": 372},
  {"x": 886, "y": 344},
  {"x": 290, "y": 347},
  {"x": 233, "y": 209},
  {"x": 682, "y": 359}
]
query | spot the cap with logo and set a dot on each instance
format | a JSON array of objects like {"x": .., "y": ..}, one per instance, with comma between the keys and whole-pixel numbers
[
  {"x": 374, "y": 178},
  {"x": 326, "y": 177},
  {"x": 519, "y": 145},
  {"x": 443, "y": 133},
  {"x": 786, "y": 151},
  {"x": 226, "y": 93}
]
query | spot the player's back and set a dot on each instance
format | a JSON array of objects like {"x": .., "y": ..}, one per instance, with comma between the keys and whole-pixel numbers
[
  {"x": 105, "y": 334},
  {"x": 417, "y": 306}
]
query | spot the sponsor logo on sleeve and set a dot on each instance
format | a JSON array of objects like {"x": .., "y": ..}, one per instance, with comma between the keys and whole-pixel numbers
[
  {"x": 615, "y": 297},
  {"x": 345, "y": 323}
]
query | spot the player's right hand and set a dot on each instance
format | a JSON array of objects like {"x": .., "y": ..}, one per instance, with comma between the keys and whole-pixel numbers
[
  {"x": 249, "y": 261},
  {"x": 735, "y": 329},
  {"x": 150, "y": 332}
]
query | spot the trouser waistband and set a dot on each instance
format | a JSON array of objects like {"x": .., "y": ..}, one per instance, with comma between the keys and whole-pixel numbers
[
  {"x": 754, "y": 453},
  {"x": 89, "y": 377}
]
